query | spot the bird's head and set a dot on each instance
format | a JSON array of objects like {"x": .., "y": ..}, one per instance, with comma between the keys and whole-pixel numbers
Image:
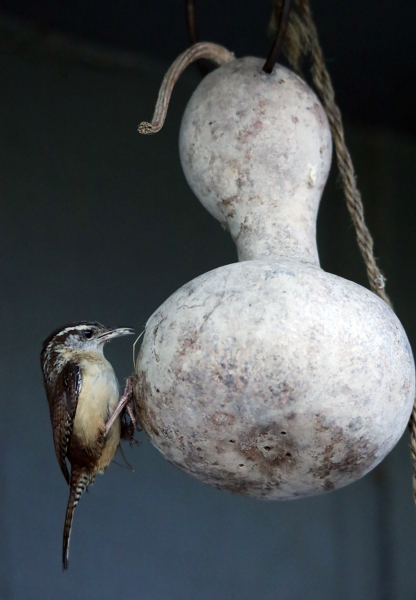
[{"x": 85, "y": 336}]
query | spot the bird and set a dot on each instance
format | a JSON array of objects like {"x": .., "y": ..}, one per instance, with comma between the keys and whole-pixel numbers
[{"x": 83, "y": 396}]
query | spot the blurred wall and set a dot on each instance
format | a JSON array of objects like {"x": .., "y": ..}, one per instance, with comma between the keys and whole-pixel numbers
[
  {"x": 370, "y": 46},
  {"x": 97, "y": 222}
]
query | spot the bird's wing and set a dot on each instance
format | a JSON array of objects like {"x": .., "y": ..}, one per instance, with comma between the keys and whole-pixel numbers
[{"x": 63, "y": 400}]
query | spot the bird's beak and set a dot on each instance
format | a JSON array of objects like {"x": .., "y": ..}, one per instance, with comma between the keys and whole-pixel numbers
[{"x": 113, "y": 333}]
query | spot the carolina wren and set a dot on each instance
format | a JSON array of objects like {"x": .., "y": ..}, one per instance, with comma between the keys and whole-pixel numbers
[{"x": 83, "y": 396}]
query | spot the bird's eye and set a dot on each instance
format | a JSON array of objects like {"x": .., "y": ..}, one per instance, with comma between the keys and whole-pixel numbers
[{"x": 88, "y": 334}]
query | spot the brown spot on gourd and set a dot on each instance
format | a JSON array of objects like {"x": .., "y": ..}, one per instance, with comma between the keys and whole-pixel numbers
[
  {"x": 156, "y": 328},
  {"x": 283, "y": 392},
  {"x": 222, "y": 419},
  {"x": 406, "y": 387},
  {"x": 261, "y": 106},
  {"x": 233, "y": 483},
  {"x": 188, "y": 343},
  {"x": 358, "y": 454},
  {"x": 243, "y": 228},
  {"x": 274, "y": 454},
  {"x": 190, "y": 157},
  {"x": 227, "y": 206},
  {"x": 252, "y": 129}
]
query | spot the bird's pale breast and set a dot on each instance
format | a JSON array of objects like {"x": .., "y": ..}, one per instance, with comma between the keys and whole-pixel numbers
[{"x": 97, "y": 400}]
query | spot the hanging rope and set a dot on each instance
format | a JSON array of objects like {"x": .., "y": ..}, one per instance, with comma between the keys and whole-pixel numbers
[{"x": 301, "y": 41}]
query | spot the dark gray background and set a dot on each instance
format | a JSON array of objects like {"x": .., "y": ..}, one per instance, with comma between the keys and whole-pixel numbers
[
  {"x": 370, "y": 45},
  {"x": 98, "y": 223}
]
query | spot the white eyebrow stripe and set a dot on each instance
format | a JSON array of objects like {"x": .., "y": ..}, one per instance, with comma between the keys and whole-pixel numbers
[{"x": 74, "y": 328}]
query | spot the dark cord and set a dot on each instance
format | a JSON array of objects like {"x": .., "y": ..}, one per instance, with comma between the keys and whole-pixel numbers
[
  {"x": 280, "y": 36},
  {"x": 193, "y": 33}
]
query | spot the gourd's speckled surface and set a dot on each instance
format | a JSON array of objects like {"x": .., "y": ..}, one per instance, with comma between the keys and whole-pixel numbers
[
  {"x": 269, "y": 377},
  {"x": 256, "y": 150}
]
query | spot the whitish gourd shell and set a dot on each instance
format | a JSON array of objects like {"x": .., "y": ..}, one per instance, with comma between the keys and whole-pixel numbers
[
  {"x": 256, "y": 151},
  {"x": 269, "y": 377},
  {"x": 275, "y": 379}
]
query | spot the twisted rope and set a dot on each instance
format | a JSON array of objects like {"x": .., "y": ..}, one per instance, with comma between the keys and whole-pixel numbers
[{"x": 303, "y": 39}]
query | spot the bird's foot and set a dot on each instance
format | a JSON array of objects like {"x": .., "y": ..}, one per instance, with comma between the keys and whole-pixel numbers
[{"x": 123, "y": 407}]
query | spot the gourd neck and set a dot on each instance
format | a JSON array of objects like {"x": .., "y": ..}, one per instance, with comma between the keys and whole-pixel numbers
[{"x": 277, "y": 229}]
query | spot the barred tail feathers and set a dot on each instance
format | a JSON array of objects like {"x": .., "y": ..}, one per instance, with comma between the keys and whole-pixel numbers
[{"x": 79, "y": 483}]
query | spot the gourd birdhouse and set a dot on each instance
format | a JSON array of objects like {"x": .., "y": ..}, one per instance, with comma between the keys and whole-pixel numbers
[{"x": 269, "y": 377}]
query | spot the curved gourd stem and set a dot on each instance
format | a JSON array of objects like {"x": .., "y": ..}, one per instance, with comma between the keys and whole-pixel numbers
[{"x": 217, "y": 54}]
